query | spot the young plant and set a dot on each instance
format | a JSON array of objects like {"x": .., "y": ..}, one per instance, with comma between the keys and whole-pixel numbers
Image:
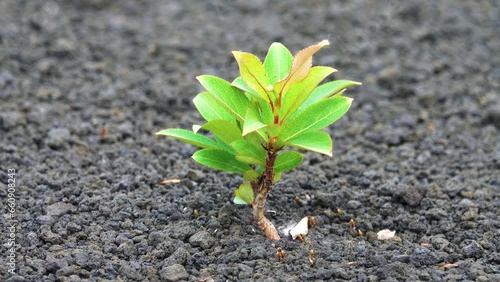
[{"x": 271, "y": 106}]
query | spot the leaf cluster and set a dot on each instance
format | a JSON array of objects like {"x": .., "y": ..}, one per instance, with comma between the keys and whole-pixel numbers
[{"x": 274, "y": 104}]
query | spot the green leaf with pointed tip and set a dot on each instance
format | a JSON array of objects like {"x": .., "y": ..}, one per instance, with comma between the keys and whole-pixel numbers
[
  {"x": 326, "y": 90},
  {"x": 230, "y": 97},
  {"x": 315, "y": 117},
  {"x": 287, "y": 161},
  {"x": 263, "y": 134},
  {"x": 244, "y": 193},
  {"x": 299, "y": 92},
  {"x": 250, "y": 175},
  {"x": 266, "y": 112},
  {"x": 254, "y": 138},
  {"x": 253, "y": 74},
  {"x": 224, "y": 130},
  {"x": 316, "y": 141},
  {"x": 252, "y": 122},
  {"x": 271, "y": 131},
  {"x": 210, "y": 108},
  {"x": 245, "y": 148},
  {"x": 259, "y": 170},
  {"x": 278, "y": 62},
  {"x": 277, "y": 177},
  {"x": 225, "y": 146},
  {"x": 339, "y": 93},
  {"x": 249, "y": 160},
  {"x": 239, "y": 201},
  {"x": 218, "y": 159},
  {"x": 196, "y": 128},
  {"x": 240, "y": 84},
  {"x": 190, "y": 138}
]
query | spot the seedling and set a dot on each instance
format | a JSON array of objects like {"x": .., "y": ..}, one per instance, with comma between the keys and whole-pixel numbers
[
  {"x": 339, "y": 212},
  {"x": 311, "y": 257},
  {"x": 280, "y": 253},
  {"x": 272, "y": 106},
  {"x": 311, "y": 222},
  {"x": 354, "y": 230},
  {"x": 352, "y": 224},
  {"x": 298, "y": 201}
]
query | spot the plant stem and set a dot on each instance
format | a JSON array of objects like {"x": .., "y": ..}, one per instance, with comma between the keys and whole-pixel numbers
[{"x": 261, "y": 188}]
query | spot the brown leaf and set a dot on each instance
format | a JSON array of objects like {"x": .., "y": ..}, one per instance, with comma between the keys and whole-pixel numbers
[{"x": 301, "y": 65}]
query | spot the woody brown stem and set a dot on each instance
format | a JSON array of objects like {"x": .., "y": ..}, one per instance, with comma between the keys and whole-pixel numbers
[{"x": 261, "y": 187}]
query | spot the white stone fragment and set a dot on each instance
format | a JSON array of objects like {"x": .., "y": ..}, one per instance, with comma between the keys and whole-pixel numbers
[
  {"x": 385, "y": 234},
  {"x": 301, "y": 228}
]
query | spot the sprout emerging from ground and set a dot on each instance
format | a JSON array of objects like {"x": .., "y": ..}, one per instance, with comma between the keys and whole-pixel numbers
[{"x": 270, "y": 107}]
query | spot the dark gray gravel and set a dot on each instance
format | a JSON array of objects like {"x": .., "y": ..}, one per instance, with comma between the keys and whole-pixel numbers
[{"x": 84, "y": 85}]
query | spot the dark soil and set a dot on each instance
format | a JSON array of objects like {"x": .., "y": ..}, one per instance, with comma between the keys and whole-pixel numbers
[{"x": 84, "y": 85}]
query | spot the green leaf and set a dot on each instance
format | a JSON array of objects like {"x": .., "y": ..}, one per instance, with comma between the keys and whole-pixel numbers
[
  {"x": 224, "y": 130},
  {"x": 273, "y": 130},
  {"x": 278, "y": 62},
  {"x": 230, "y": 97},
  {"x": 263, "y": 134},
  {"x": 326, "y": 90},
  {"x": 252, "y": 122},
  {"x": 190, "y": 138},
  {"x": 259, "y": 170},
  {"x": 225, "y": 146},
  {"x": 287, "y": 161},
  {"x": 299, "y": 92},
  {"x": 249, "y": 160},
  {"x": 210, "y": 108},
  {"x": 277, "y": 177},
  {"x": 339, "y": 93},
  {"x": 316, "y": 141},
  {"x": 251, "y": 175},
  {"x": 247, "y": 149},
  {"x": 239, "y": 201},
  {"x": 266, "y": 112},
  {"x": 254, "y": 138},
  {"x": 219, "y": 159},
  {"x": 315, "y": 117},
  {"x": 196, "y": 128},
  {"x": 253, "y": 74},
  {"x": 244, "y": 194},
  {"x": 240, "y": 84}
]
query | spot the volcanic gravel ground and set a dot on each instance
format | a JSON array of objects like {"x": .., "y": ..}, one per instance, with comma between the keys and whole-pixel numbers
[{"x": 84, "y": 85}]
